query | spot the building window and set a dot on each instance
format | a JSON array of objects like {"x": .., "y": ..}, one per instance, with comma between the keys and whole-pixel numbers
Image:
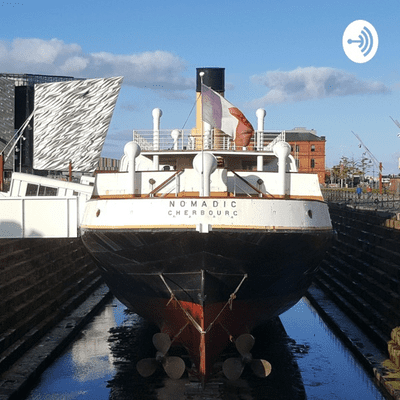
[
  {"x": 312, "y": 147},
  {"x": 47, "y": 191},
  {"x": 32, "y": 189},
  {"x": 297, "y": 163},
  {"x": 297, "y": 148},
  {"x": 312, "y": 163}
]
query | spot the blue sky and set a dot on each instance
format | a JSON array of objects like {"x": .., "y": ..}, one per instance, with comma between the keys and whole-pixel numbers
[{"x": 285, "y": 56}]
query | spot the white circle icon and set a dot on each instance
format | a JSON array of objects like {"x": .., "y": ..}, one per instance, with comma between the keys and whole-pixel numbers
[{"x": 360, "y": 41}]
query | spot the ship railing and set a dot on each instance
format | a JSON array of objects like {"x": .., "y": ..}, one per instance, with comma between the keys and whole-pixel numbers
[
  {"x": 241, "y": 179},
  {"x": 279, "y": 138},
  {"x": 166, "y": 182},
  {"x": 191, "y": 139},
  {"x": 237, "y": 186}
]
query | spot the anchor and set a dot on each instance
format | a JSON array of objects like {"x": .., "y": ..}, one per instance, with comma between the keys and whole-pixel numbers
[
  {"x": 233, "y": 367},
  {"x": 173, "y": 366}
]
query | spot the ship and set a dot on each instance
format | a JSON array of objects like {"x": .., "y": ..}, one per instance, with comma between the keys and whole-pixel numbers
[{"x": 207, "y": 233}]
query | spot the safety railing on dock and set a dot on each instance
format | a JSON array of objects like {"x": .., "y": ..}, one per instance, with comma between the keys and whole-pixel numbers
[{"x": 372, "y": 200}]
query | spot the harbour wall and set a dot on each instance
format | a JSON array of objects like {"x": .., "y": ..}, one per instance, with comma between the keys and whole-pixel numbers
[
  {"x": 41, "y": 282},
  {"x": 361, "y": 272}
]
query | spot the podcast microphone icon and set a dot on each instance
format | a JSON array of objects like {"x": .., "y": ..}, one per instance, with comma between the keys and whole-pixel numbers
[
  {"x": 364, "y": 35},
  {"x": 366, "y": 41}
]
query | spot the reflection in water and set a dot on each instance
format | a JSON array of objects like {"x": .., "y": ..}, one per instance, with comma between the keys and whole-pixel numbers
[
  {"x": 307, "y": 362},
  {"x": 91, "y": 354},
  {"x": 328, "y": 369},
  {"x": 130, "y": 344},
  {"x": 83, "y": 369}
]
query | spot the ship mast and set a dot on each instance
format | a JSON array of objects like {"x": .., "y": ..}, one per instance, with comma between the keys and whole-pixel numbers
[{"x": 201, "y": 74}]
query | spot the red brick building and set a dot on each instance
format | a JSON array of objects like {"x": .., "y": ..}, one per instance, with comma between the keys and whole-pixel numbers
[{"x": 308, "y": 149}]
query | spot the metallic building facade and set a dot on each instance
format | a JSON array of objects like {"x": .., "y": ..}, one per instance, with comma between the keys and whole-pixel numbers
[
  {"x": 21, "y": 88},
  {"x": 72, "y": 121},
  {"x": 7, "y": 100},
  {"x": 32, "y": 79}
]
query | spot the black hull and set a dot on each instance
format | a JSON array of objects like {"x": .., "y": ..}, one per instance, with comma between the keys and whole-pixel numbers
[
  {"x": 205, "y": 290},
  {"x": 208, "y": 268}
]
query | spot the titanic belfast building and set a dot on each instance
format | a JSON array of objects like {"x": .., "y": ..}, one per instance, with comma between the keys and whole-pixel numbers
[{"x": 17, "y": 96}]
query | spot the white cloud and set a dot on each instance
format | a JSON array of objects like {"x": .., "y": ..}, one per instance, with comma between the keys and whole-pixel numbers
[
  {"x": 158, "y": 70},
  {"x": 155, "y": 70},
  {"x": 74, "y": 64},
  {"x": 312, "y": 83},
  {"x": 38, "y": 51}
]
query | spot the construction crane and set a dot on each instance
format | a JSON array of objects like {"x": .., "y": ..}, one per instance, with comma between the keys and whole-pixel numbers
[
  {"x": 373, "y": 158},
  {"x": 397, "y": 123}
]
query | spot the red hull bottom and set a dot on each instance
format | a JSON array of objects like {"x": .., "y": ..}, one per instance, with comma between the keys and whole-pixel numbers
[{"x": 205, "y": 331}]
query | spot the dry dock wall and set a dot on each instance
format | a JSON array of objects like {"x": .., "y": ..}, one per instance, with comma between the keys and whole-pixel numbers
[
  {"x": 41, "y": 282},
  {"x": 361, "y": 272}
]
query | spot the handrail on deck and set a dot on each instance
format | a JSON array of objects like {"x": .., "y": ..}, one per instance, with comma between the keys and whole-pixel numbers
[
  {"x": 189, "y": 140},
  {"x": 249, "y": 184},
  {"x": 165, "y": 183}
]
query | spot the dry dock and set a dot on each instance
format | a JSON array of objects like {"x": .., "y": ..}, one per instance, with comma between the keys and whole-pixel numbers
[
  {"x": 361, "y": 274},
  {"x": 42, "y": 282},
  {"x": 44, "y": 287}
]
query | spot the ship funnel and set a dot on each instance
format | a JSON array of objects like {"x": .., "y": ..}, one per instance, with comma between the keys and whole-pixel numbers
[
  {"x": 205, "y": 164},
  {"x": 212, "y": 77},
  {"x": 131, "y": 151}
]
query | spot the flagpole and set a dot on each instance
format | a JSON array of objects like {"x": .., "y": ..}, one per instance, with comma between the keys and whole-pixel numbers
[
  {"x": 202, "y": 134},
  {"x": 202, "y": 123}
]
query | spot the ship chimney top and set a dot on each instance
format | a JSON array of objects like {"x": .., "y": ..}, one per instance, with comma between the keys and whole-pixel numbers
[{"x": 213, "y": 78}]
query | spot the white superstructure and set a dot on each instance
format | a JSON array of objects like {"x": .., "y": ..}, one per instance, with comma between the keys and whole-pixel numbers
[{"x": 162, "y": 187}]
